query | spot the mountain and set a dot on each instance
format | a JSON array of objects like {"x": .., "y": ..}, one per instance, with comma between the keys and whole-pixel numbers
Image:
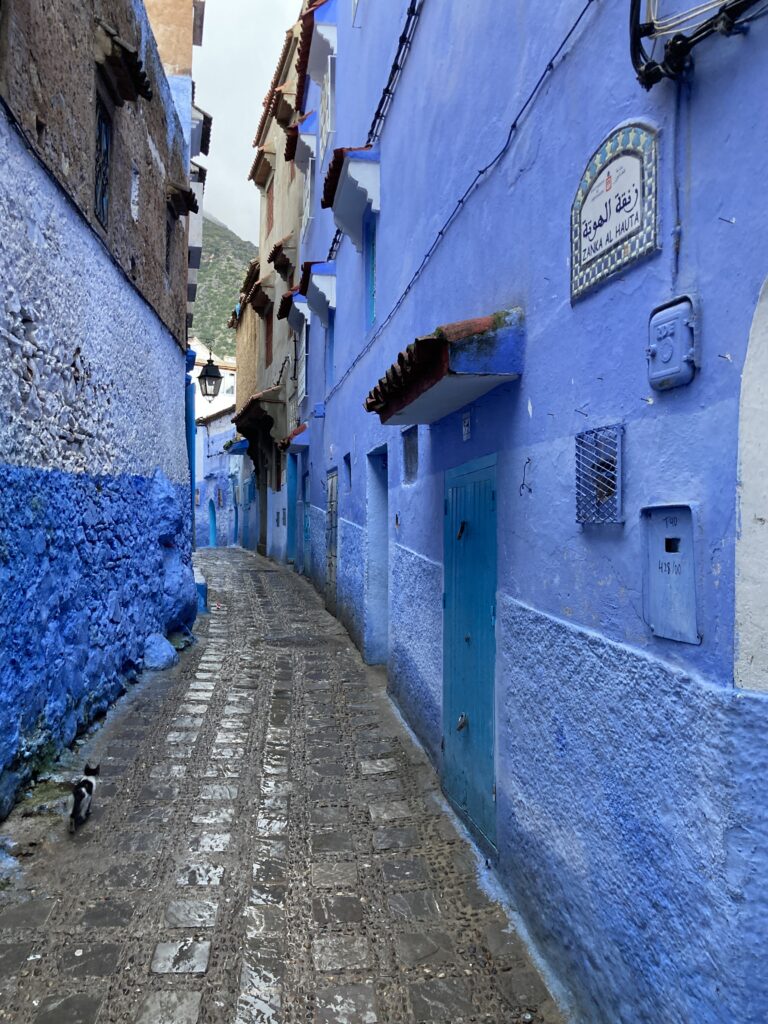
[{"x": 223, "y": 265}]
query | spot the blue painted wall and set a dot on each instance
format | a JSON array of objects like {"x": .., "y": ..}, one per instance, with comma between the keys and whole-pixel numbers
[
  {"x": 95, "y": 544},
  {"x": 218, "y": 481},
  {"x": 632, "y": 810}
]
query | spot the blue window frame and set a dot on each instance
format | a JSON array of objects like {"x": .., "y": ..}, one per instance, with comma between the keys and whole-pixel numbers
[
  {"x": 369, "y": 256},
  {"x": 330, "y": 338}
]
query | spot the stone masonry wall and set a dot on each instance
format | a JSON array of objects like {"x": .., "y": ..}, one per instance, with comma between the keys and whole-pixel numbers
[
  {"x": 48, "y": 78},
  {"x": 94, "y": 480}
]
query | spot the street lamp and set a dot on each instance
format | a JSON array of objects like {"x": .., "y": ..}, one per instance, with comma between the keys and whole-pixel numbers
[{"x": 210, "y": 379}]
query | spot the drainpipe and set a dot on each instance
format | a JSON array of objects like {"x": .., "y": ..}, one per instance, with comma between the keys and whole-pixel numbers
[{"x": 189, "y": 423}]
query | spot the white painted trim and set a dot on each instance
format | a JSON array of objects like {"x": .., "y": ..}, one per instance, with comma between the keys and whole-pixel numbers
[{"x": 750, "y": 668}]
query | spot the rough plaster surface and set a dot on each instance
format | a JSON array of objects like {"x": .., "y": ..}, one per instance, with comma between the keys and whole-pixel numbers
[
  {"x": 751, "y": 662},
  {"x": 637, "y": 859},
  {"x": 416, "y": 642},
  {"x": 92, "y": 365},
  {"x": 94, "y": 477},
  {"x": 350, "y": 601},
  {"x": 317, "y": 562}
]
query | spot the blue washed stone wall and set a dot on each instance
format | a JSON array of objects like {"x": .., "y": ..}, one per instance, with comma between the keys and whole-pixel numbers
[
  {"x": 89, "y": 567},
  {"x": 95, "y": 510},
  {"x": 416, "y": 642},
  {"x": 611, "y": 846},
  {"x": 350, "y": 582},
  {"x": 317, "y": 563}
]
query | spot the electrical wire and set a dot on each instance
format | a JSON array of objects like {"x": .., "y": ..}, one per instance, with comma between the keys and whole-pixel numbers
[
  {"x": 672, "y": 24},
  {"x": 460, "y": 203}
]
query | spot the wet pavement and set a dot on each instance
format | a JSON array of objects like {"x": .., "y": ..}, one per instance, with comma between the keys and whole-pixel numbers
[{"x": 268, "y": 846}]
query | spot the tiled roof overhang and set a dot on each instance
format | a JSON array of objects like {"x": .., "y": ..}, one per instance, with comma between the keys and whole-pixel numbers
[
  {"x": 351, "y": 188},
  {"x": 284, "y": 102},
  {"x": 260, "y": 297},
  {"x": 322, "y": 41},
  {"x": 270, "y": 97},
  {"x": 122, "y": 68},
  {"x": 201, "y": 421},
  {"x": 281, "y": 256},
  {"x": 252, "y": 275},
  {"x": 299, "y": 313},
  {"x": 297, "y": 439},
  {"x": 206, "y": 124},
  {"x": 263, "y": 165},
  {"x": 301, "y": 140},
  {"x": 441, "y": 372},
  {"x": 181, "y": 200},
  {"x": 286, "y": 303},
  {"x": 320, "y": 289},
  {"x": 259, "y": 408}
]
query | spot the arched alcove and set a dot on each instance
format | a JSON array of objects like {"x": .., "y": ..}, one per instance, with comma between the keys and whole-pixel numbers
[{"x": 751, "y": 647}]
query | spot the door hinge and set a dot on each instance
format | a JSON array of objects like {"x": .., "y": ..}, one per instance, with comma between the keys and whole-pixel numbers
[{"x": 494, "y": 792}]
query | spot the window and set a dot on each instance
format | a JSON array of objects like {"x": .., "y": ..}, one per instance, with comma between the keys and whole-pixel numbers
[
  {"x": 271, "y": 206},
  {"x": 348, "y": 471},
  {"x": 369, "y": 255},
  {"x": 309, "y": 191},
  {"x": 327, "y": 102},
  {"x": 410, "y": 454},
  {"x": 301, "y": 372},
  {"x": 268, "y": 337},
  {"x": 103, "y": 155},
  {"x": 330, "y": 342}
]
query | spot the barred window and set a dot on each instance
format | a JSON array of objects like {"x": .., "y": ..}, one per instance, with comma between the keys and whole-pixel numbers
[{"x": 103, "y": 154}]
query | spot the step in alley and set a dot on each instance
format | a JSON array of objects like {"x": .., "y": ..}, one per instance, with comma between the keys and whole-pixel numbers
[{"x": 268, "y": 845}]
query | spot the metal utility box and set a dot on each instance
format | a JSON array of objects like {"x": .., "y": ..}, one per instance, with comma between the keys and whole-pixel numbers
[
  {"x": 669, "y": 577},
  {"x": 672, "y": 355}
]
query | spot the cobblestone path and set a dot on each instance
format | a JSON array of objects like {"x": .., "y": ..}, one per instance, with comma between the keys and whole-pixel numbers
[{"x": 268, "y": 847}]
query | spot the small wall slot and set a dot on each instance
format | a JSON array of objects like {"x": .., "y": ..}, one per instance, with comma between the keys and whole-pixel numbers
[{"x": 669, "y": 573}]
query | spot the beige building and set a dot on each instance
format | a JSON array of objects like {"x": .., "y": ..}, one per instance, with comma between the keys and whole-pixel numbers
[{"x": 267, "y": 342}]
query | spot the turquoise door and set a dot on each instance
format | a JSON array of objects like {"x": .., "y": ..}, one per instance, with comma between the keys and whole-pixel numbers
[
  {"x": 469, "y": 644},
  {"x": 211, "y": 524}
]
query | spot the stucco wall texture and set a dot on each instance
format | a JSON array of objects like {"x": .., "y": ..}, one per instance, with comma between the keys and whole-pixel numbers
[{"x": 94, "y": 479}]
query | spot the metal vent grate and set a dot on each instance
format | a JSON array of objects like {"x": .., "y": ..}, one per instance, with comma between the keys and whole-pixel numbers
[{"x": 598, "y": 475}]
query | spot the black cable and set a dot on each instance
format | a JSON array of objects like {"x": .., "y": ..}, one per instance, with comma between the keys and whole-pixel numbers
[{"x": 549, "y": 68}]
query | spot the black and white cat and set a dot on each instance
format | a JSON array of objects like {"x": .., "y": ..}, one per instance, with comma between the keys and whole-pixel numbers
[{"x": 82, "y": 797}]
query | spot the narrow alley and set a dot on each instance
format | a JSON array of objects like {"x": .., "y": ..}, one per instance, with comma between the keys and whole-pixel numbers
[{"x": 267, "y": 845}]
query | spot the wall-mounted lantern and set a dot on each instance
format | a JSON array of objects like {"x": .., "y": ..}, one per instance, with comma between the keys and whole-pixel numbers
[{"x": 210, "y": 379}]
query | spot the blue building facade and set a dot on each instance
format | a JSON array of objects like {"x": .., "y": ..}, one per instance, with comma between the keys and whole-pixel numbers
[
  {"x": 528, "y": 476},
  {"x": 95, "y": 538},
  {"x": 217, "y": 481}
]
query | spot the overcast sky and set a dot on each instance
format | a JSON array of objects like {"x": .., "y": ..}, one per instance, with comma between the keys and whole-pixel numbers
[{"x": 232, "y": 70}]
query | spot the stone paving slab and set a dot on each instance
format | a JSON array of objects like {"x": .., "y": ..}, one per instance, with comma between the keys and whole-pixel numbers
[{"x": 269, "y": 847}]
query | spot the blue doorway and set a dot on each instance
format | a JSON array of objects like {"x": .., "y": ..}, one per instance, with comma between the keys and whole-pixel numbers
[
  {"x": 211, "y": 524},
  {"x": 469, "y": 643}
]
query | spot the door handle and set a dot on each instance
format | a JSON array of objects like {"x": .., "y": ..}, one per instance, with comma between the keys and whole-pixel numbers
[
  {"x": 462, "y": 527},
  {"x": 462, "y": 723}
]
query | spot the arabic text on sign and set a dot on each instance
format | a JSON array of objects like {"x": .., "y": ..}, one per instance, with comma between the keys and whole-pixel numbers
[{"x": 612, "y": 210}]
